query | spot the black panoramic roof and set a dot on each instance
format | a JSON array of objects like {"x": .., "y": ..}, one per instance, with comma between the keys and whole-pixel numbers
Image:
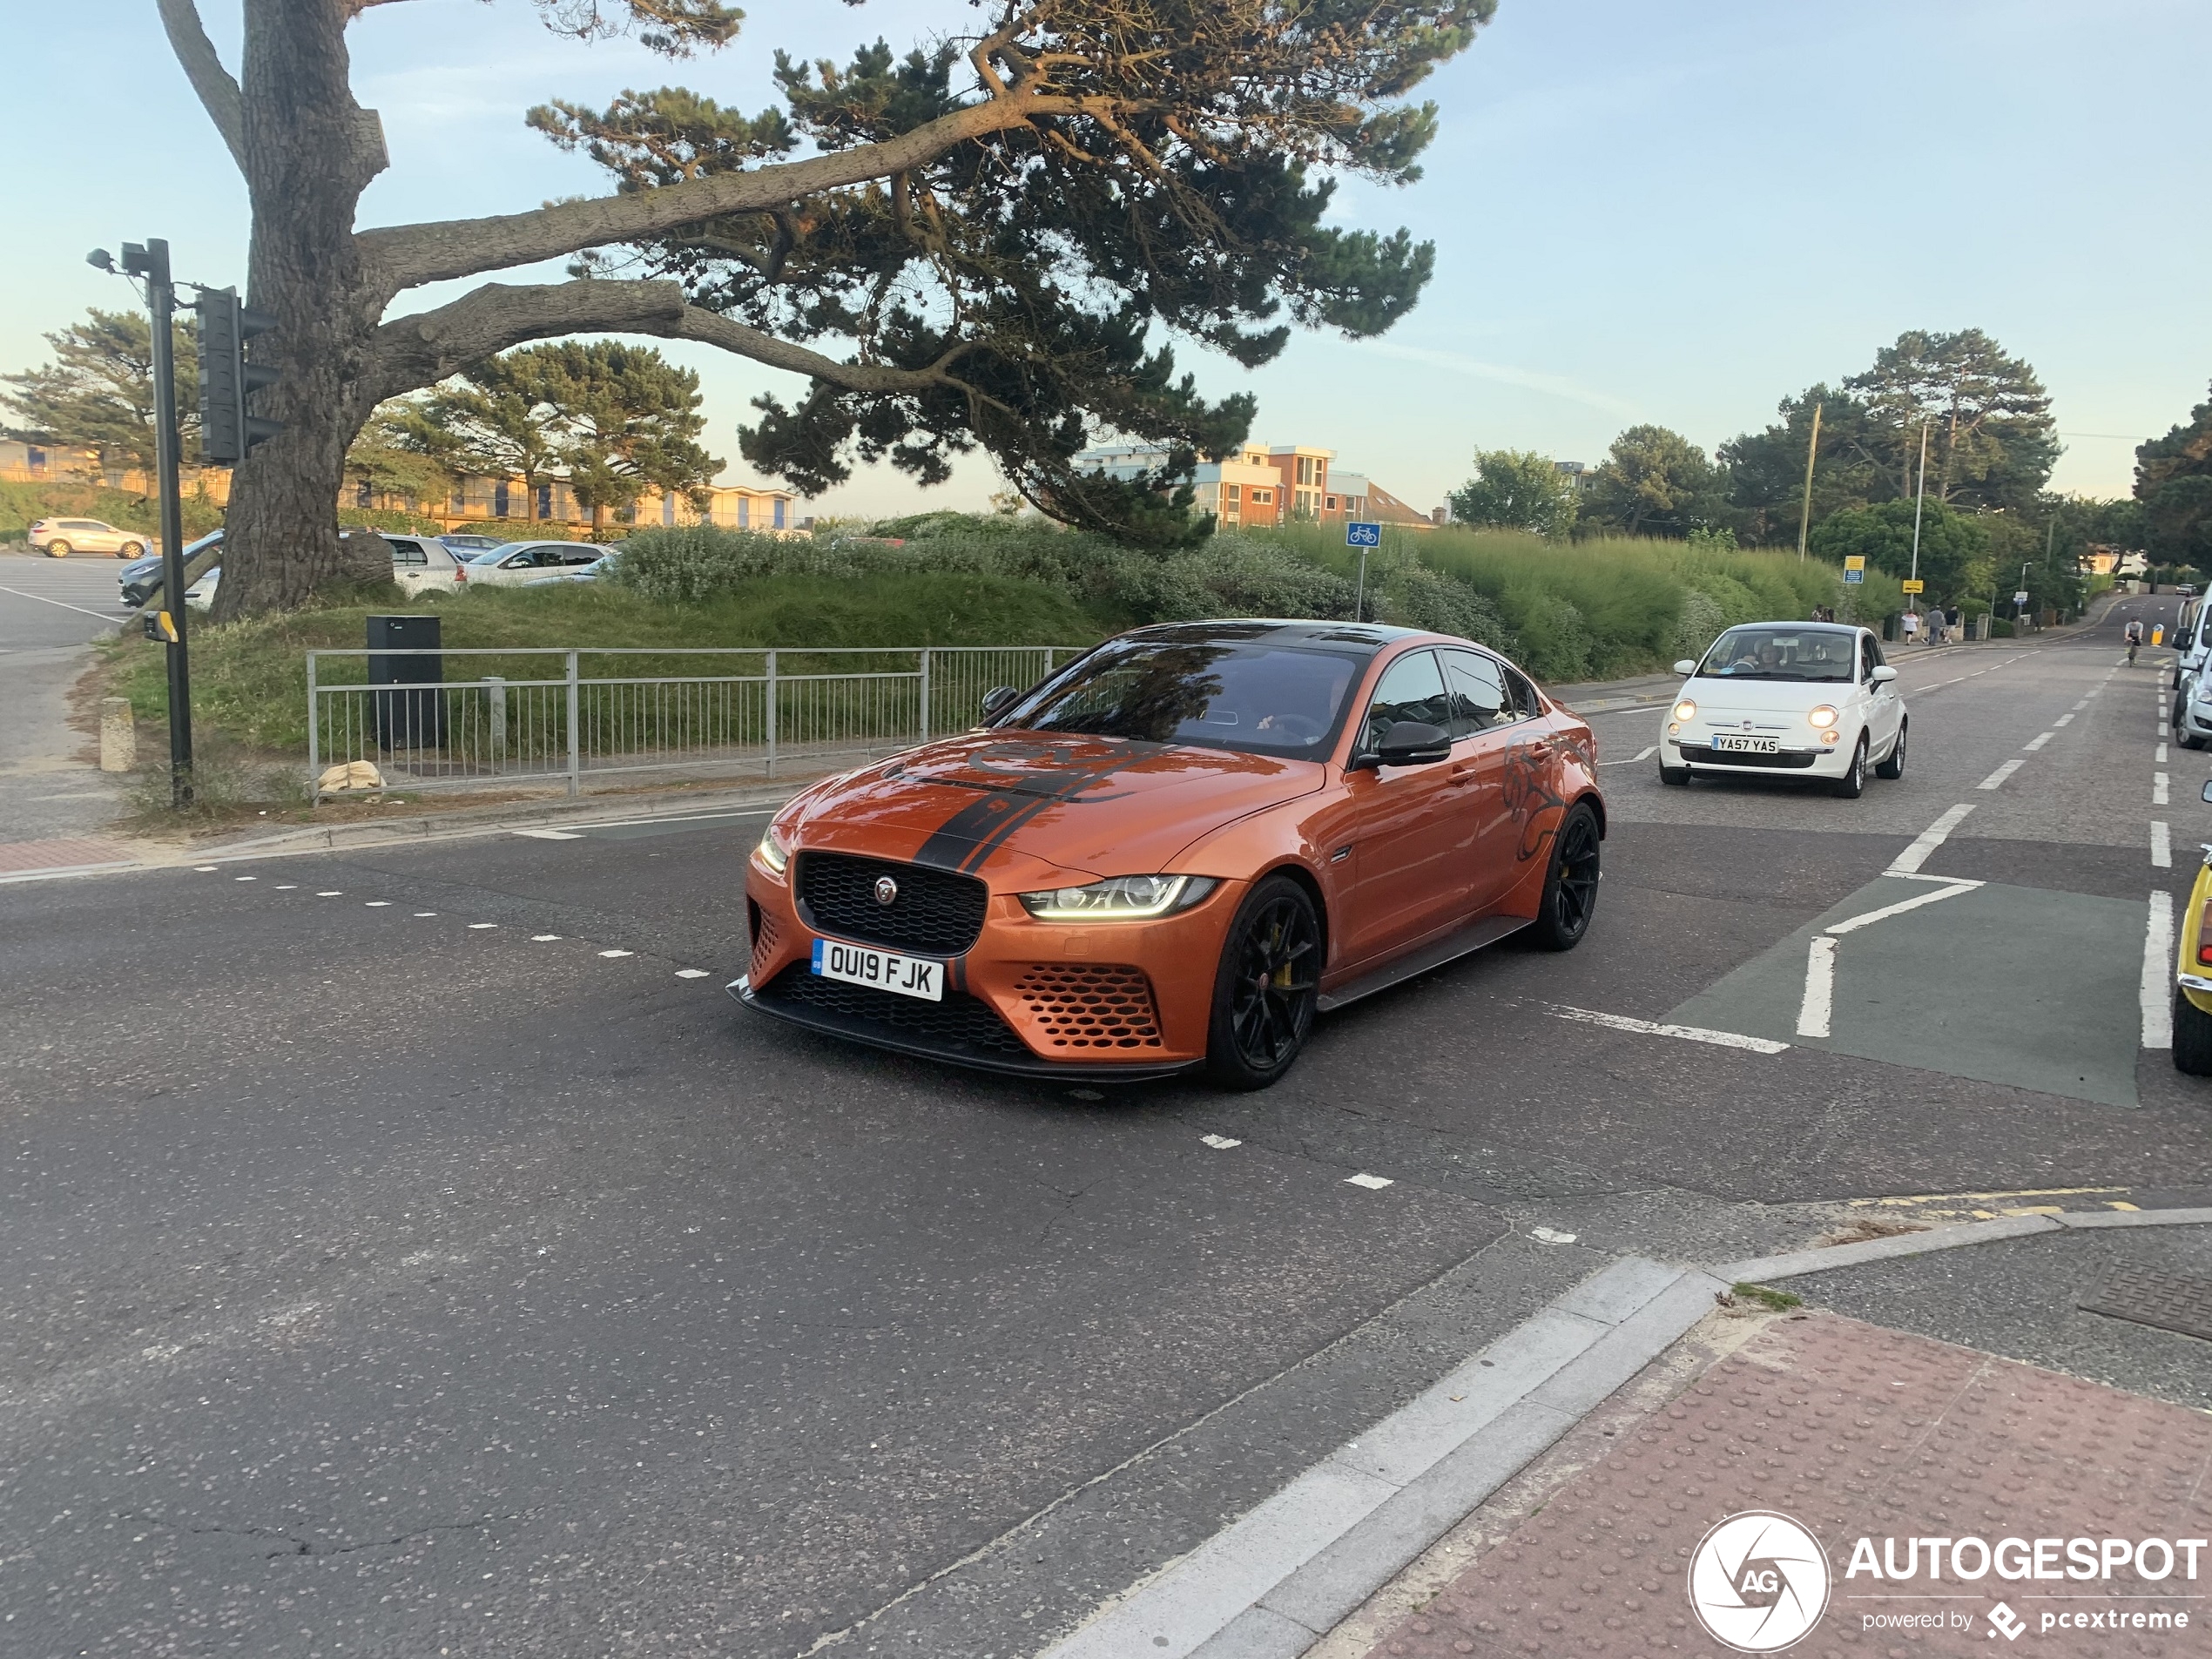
[{"x": 1366, "y": 638}]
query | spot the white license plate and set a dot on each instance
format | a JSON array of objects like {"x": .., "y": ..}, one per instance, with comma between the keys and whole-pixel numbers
[
  {"x": 922, "y": 977},
  {"x": 1738, "y": 744}
]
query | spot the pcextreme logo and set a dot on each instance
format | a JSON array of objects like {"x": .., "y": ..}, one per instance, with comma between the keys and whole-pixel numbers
[{"x": 1758, "y": 1581}]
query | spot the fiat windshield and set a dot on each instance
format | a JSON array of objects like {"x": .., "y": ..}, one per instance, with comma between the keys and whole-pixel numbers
[{"x": 1782, "y": 654}]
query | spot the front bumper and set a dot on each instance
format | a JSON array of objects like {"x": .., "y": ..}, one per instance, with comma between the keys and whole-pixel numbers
[
  {"x": 1792, "y": 761},
  {"x": 1107, "y": 1000}
]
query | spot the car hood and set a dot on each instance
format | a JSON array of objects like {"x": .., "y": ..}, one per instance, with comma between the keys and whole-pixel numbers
[
  {"x": 1017, "y": 806},
  {"x": 1795, "y": 697}
]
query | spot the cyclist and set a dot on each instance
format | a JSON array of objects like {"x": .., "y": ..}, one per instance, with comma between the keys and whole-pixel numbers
[{"x": 2134, "y": 639}]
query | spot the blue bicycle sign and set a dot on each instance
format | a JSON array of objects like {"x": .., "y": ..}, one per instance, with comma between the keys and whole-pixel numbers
[{"x": 1360, "y": 534}]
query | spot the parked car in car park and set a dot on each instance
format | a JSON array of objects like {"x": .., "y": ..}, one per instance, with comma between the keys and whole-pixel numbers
[
  {"x": 1810, "y": 699},
  {"x": 141, "y": 579},
  {"x": 59, "y": 537},
  {"x": 590, "y": 572},
  {"x": 425, "y": 563},
  {"x": 469, "y": 546},
  {"x": 513, "y": 563}
]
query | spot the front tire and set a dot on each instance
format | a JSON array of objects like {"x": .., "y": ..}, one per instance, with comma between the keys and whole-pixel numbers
[
  {"x": 1570, "y": 886},
  {"x": 1673, "y": 775},
  {"x": 57, "y": 549},
  {"x": 1852, "y": 784},
  {"x": 1893, "y": 765},
  {"x": 1266, "y": 988},
  {"x": 131, "y": 550},
  {"x": 2192, "y": 1037}
]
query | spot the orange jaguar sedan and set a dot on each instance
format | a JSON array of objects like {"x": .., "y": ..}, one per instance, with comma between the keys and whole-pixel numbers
[{"x": 1178, "y": 849}]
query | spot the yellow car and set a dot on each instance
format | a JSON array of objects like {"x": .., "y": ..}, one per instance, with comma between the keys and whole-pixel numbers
[{"x": 2193, "y": 974}]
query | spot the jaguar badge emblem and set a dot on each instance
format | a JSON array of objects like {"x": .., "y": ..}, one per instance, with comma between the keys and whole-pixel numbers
[{"x": 887, "y": 890}]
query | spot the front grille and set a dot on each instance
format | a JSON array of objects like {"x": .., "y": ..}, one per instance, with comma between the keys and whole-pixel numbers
[
  {"x": 960, "y": 1025},
  {"x": 1735, "y": 757},
  {"x": 936, "y": 913},
  {"x": 1083, "y": 1005}
]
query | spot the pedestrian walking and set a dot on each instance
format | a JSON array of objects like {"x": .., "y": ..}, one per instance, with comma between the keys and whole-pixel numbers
[{"x": 1910, "y": 624}]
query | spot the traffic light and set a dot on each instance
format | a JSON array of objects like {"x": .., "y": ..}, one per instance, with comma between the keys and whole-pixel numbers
[{"x": 226, "y": 431}]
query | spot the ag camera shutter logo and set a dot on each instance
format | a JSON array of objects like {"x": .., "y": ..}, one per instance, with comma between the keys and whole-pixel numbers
[{"x": 1758, "y": 1581}]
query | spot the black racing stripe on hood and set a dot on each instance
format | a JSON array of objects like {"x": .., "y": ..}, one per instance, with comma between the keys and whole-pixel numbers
[{"x": 981, "y": 827}]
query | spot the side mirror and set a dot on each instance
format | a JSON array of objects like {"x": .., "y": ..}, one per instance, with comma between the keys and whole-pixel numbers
[
  {"x": 1408, "y": 743},
  {"x": 1883, "y": 675},
  {"x": 2207, "y": 795},
  {"x": 1685, "y": 667},
  {"x": 998, "y": 699}
]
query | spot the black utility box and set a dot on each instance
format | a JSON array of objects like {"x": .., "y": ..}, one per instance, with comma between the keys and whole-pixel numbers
[{"x": 415, "y": 719}]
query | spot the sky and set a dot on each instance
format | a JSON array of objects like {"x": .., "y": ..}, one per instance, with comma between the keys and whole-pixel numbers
[{"x": 1676, "y": 213}]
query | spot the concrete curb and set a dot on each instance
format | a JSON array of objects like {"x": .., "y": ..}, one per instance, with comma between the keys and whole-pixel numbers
[
  {"x": 1760, "y": 1269},
  {"x": 1275, "y": 1581}
]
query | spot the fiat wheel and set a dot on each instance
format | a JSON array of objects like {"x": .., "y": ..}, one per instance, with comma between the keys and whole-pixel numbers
[
  {"x": 1852, "y": 784},
  {"x": 1570, "y": 886},
  {"x": 1894, "y": 765},
  {"x": 1264, "y": 993}
]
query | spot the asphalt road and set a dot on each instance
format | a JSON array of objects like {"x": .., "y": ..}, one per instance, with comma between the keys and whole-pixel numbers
[
  {"x": 51, "y": 610},
  {"x": 417, "y": 1251}
]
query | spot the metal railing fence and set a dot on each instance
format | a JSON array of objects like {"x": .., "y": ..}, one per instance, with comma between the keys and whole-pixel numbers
[{"x": 707, "y": 711}]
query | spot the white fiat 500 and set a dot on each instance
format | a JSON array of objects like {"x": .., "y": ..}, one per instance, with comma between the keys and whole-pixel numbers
[{"x": 1804, "y": 699}]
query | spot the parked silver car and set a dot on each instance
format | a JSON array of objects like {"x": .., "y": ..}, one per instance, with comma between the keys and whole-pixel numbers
[
  {"x": 515, "y": 563},
  {"x": 59, "y": 537}
]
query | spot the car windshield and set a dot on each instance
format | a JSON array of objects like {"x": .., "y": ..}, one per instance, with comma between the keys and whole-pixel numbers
[
  {"x": 1768, "y": 652},
  {"x": 1253, "y": 699}
]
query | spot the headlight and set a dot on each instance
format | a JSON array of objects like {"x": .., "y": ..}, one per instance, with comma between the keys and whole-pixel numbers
[
  {"x": 1126, "y": 898},
  {"x": 772, "y": 851},
  {"x": 1685, "y": 710},
  {"x": 1823, "y": 716}
]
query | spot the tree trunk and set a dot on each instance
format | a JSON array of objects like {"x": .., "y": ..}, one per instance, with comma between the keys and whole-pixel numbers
[{"x": 310, "y": 152}]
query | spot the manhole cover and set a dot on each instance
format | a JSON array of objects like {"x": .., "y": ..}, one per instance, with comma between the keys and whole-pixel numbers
[{"x": 2145, "y": 1296}]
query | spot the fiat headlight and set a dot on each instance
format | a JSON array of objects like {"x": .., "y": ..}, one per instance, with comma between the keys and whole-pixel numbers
[
  {"x": 772, "y": 851},
  {"x": 1125, "y": 898},
  {"x": 1823, "y": 716},
  {"x": 1685, "y": 710}
]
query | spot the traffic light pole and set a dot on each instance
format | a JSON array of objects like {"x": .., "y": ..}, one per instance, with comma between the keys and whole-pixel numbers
[{"x": 161, "y": 303}]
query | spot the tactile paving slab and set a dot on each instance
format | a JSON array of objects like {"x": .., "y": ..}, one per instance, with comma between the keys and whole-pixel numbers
[
  {"x": 1851, "y": 1431},
  {"x": 2179, "y": 1302}
]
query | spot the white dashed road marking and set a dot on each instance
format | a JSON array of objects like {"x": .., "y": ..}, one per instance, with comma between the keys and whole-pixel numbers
[
  {"x": 1688, "y": 1033},
  {"x": 2161, "y": 756},
  {"x": 1817, "y": 1006},
  {"x": 2158, "y": 789},
  {"x": 2036, "y": 742},
  {"x": 2064, "y": 719},
  {"x": 333, "y": 893},
  {"x": 376, "y": 904},
  {"x": 551, "y": 834},
  {"x": 476, "y": 927},
  {"x": 246, "y": 878},
  {"x": 425, "y": 913},
  {"x": 1928, "y": 839},
  {"x": 615, "y": 953},
  {"x": 2162, "y": 845},
  {"x": 543, "y": 939},
  {"x": 691, "y": 973},
  {"x": 285, "y": 886},
  {"x": 1373, "y": 1183},
  {"x": 1551, "y": 1236},
  {"x": 1220, "y": 1142},
  {"x": 1997, "y": 777},
  {"x": 2158, "y": 954},
  {"x": 1852, "y": 924}
]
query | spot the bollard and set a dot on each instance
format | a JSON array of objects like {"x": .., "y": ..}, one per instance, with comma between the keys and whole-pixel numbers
[{"x": 118, "y": 738}]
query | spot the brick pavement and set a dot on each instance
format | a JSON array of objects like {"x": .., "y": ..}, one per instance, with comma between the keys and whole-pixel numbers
[
  {"x": 1857, "y": 1432},
  {"x": 61, "y": 853}
]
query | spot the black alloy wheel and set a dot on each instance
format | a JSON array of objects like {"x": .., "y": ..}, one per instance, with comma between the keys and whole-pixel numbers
[
  {"x": 1267, "y": 984},
  {"x": 1570, "y": 886}
]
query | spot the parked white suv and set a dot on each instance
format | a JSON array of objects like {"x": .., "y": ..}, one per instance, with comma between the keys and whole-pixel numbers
[
  {"x": 520, "y": 561},
  {"x": 59, "y": 537},
  {"x": 424, "y": 565}
]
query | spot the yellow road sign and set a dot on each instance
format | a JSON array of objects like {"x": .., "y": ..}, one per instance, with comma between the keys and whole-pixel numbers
[
  {"x": 1854, "y": 560},
  {"x": 1912, "y": 586}
]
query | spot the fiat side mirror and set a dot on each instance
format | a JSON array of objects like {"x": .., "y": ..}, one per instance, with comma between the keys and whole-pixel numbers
[
  {"x": 1407, "y": 742},
  {"x": 1883, "y": 675},
  {"x": 1685, "y": 667},
  {"x": 2207, "y": 795},
  {"x": 998, "y": 700}
]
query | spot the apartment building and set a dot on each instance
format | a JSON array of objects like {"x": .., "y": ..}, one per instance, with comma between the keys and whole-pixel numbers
[{"x": 1263, "y": 485}]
